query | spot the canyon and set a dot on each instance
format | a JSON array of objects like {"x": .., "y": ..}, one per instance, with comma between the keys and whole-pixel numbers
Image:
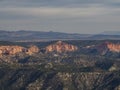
[
  {"x": 32, "y": 79},
  {"x": 49, "y": 66}
]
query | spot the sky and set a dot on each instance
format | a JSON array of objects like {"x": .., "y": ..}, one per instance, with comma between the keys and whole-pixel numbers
[{"x": 71, "y": 16}]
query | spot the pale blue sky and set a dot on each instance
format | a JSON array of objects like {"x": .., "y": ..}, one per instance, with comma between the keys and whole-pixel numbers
[{"x": 72, "y": 16}]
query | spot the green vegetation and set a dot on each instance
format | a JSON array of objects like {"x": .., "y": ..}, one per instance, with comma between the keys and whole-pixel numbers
[{"x": 79, "y": 70}]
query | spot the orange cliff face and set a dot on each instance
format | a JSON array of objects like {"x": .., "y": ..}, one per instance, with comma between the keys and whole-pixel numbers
[
  {"x": 32, "y": 50},
  {"x": 12, "y": 50},
  {"x": 61, "y": 47},
  {"x": 113, "y": 47},
  {"x": 108, "y": 46}
]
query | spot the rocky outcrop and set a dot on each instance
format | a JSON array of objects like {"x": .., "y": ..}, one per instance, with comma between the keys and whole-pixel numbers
[
  {"x": 107, "y": 47},
  {"x": 12, "y": 50},
  {"x": 33, "y": 49},
  {"x": 61, "y": 47},
  {"x": 113, "y": 47}
]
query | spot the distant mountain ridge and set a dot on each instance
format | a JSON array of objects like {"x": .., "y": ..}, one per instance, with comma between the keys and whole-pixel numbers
[
  {"x": 37, "y": 35},
  {"x": 24, "y": 35},
  {"x": 111, "y": 33}
]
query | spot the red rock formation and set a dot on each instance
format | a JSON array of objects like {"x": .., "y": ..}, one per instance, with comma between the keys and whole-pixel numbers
[
  {"x": 113, "y": 47},
  {"x": 108, "y": 46},
  {"x": 12, "y": 50},
  {"x": 61, "y": 47},
  {"x": 32, "y": 50}
]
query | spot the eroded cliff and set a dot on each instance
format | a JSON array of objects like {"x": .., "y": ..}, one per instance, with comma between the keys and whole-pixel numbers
[
  {"x": 12, "y": 50},
  {"x": 33, "y": 49},
  {"x": 113, "y": 47},
  {"x": 107, "y": 47},
  {"x": 32, "y": 79},
  {"x": 61, "y": 47}
]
